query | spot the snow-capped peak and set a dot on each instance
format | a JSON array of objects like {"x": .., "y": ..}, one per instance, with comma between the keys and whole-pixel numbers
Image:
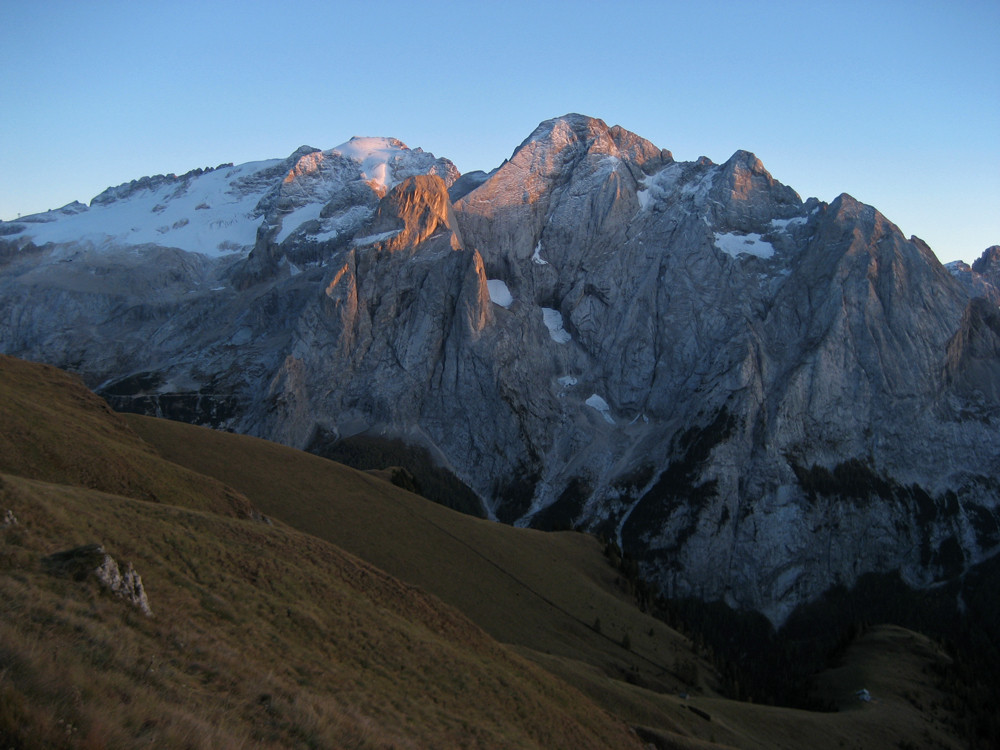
[
  {"x": 208, "y": 212},
  {"x": 561, "y": 130},
  {"x": 218, "y": 211},
  {"x": 375, "y": 155},
  {"x": 385, "y": 162}
]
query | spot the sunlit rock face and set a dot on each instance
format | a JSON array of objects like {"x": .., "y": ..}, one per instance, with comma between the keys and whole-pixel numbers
[{"x": 760, "y": 397}]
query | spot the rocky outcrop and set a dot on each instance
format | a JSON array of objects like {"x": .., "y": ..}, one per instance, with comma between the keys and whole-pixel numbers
[
  {"x": 982, "y": 278},
  {"x": 393, "y": 331},
  {"x": 972, "y": 368},
  {"x": 988, "y": 265},
  {"x": 411, "y": 214},
  {"x": 758, "y": 396},
  {"x": 93, "y": 561}
]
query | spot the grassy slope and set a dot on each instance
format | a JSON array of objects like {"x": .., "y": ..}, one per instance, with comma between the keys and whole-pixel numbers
[
  {"x": 261, "y": 636},
  {"x": 542, "y": 592},
  {"x": 53, "y": 428},
  {"x": 266, "y": 636}
]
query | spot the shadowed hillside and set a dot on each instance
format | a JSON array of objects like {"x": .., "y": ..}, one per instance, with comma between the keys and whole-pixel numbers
[
  {"x": 558, "y": 600},
  {"x": 260, "y": 635},
  {"x": 270, "y": 635},
  {"x": 543, "y": 591},
  {"x": 53, "y": 428}
]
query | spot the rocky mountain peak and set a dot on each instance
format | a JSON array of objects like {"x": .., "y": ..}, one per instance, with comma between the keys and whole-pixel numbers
[
  {"x": 305, "y": 160},
  {"x": 411, "y": 213},
  {"x": 747, "y": 198},
  {"x": 982, "y": 278},
  {"x": 384, "y": 162},
  {"x": 556, "y": 145},
  {"x": 847, "y": 209},
  {"x": 684, "y": 356},
  {"x": 988, "y": 264},
  {"x": 566, "y": 129},
  {"x": 303, "y": 150},
  {"x": 638, "y": 149},
  {"x": 746, "y": 165}
]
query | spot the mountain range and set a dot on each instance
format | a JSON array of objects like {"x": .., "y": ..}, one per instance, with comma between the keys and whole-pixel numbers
[{"x": 759, "y": 398}]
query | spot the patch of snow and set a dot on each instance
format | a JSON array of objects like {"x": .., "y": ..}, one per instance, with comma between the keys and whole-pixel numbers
[
  {"x": 70, "y": 209},
  {"x": 699, "y": 187},
  {"x": 737, "y": 244},
  {"x": 292, "y": 221},
  {"x": 329, "y": 234},
  {"x": 553, "y": 320},
  {"x": 783, "y": 224},
  {"x": 342, "y": 223},
  {"x": 608, "y": 164},
  {"x": 567, "y": 381},
  {"x": 371, "y": 239},
  {"x": 645, "y": 198},
  {"x": 653, "y": 188},
  {"x": 537, "y": 257},
  {"x": 599, "y": 404},
  {"x": 499, "y": 293}
]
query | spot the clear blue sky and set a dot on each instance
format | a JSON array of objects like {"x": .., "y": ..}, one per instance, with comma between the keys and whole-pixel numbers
[{"x": 896, "y": 103}]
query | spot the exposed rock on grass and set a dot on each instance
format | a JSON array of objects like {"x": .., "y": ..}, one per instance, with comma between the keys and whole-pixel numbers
[{"x": 88, "y": 560}]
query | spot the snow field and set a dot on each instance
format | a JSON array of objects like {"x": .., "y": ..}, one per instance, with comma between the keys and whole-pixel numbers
[
  {"x": 499, "y": 293},
  {"x": 203, "y": 214},
  {"x": 601, "y": 406},
  {"x": 738, "y": 244},
  {"x": 553, "y": 320}
]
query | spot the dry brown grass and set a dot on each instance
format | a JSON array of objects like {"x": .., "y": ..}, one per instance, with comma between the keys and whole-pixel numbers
[
  {"x": 53, "y": 428},
  {"x": 540, "y": 590},
  {"x": 261, "y": 636}
]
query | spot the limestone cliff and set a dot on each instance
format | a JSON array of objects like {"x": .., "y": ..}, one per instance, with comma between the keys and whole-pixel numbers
[{"x": 760, "y": 396}]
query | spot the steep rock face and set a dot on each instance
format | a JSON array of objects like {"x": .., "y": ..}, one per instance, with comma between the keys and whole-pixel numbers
[
  {"x": 760, "y": 397},
  {"x": 825, "y": 371},
  {"x": 414, "y": 213},
  {"x": 988, "y": 265},
  {"x": 973, "y": 364},
  {"x": 396, "y": 325},
  {"x": 743, "y": 345}
]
